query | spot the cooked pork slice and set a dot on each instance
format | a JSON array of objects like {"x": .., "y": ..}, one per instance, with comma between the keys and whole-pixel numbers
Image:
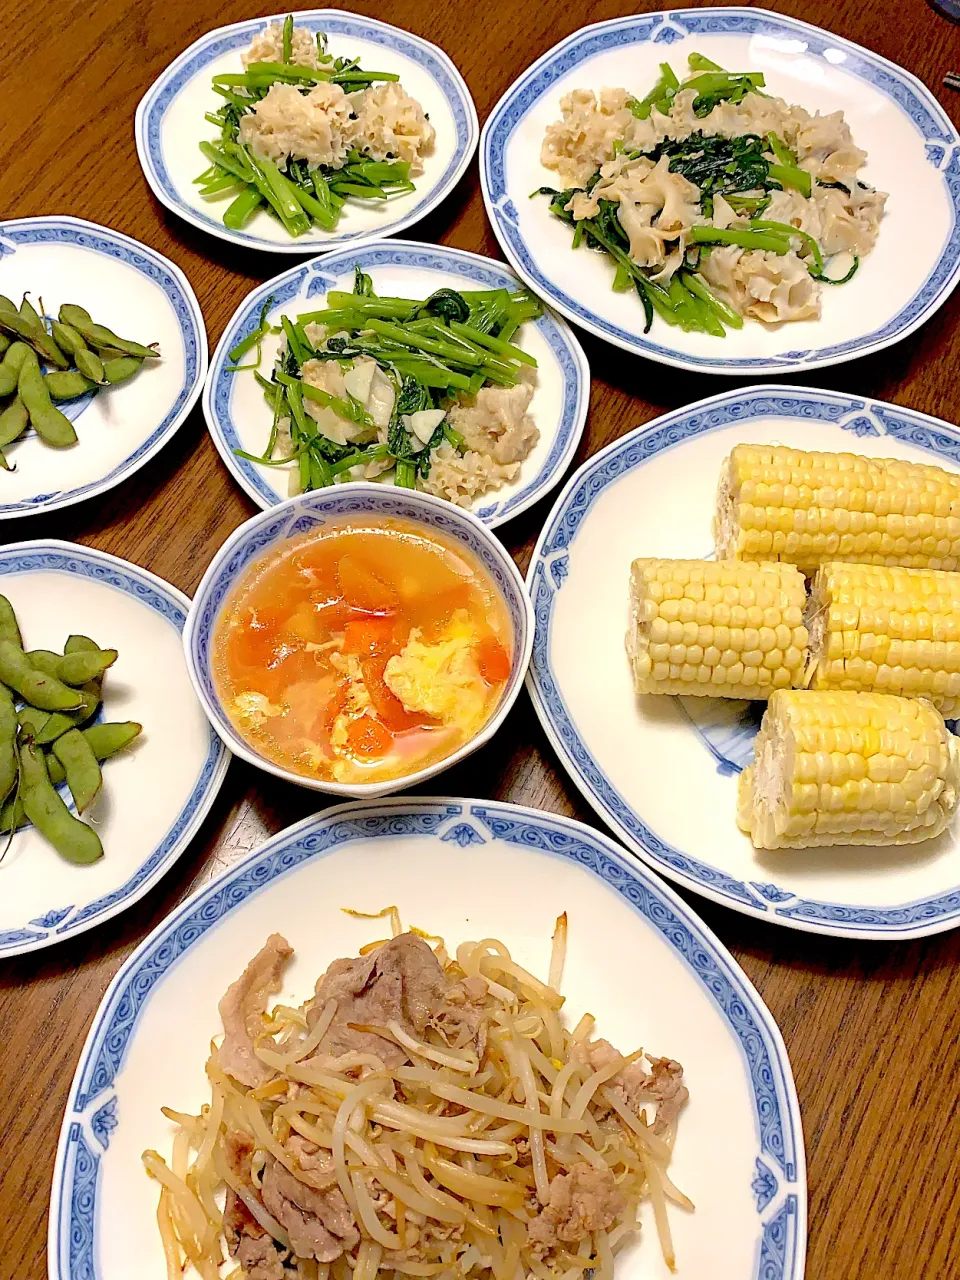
[
  {"x": 581, "y": 1202},
  {"x": 242, "y": 1009},
  {"x": 402, "y": 981},
  {"x": 635, "y": 1085},
  {"x": 319, "y": 1223},
  {"x": 260, "y": 1256}
]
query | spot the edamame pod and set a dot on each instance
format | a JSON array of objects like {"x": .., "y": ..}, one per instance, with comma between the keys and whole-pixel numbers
[
  {"x": 7, "y": 304},
  {"x": 90, "y": 365},
  {"x": 13, "y": 422},
  {"x": 49, "y": 423},
  {"x": 60, "y": 721},
  {"x": 38, "y": 338},
  {"x": 29, "y": 311},
  {"x": 4, "y": 343},
  {"x": 12, "y": 816},
  {"x": 71, "y": 341},
  {"x": 80, "y": 768},
  {"x": 17, "y": 352},
  {"x": 9, "y": 630},
  {"x": 41, "y": 691},
  {"x": 98, "y": 335},
  {"x": 42, "y": 804},
  {"x": 105, "y": 740},
  {"x": 8, "y": 743},
  {"x": 32, "y": 721},
  {"x": 73, "y": 668},
  {"x": 121, "y": 368},
  {"x": 67, "y": 384}
]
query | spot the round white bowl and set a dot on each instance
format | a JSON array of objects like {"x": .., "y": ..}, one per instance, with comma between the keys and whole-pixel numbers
[{"x": 297, "y": 516}]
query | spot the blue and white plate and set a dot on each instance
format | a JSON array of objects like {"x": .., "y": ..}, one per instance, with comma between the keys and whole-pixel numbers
[
  {"x": 139, "y": 294},
  {"x": 661, "y": 771},
  {"x": 170, "y": 125},
  {"x": 239, "y": 418},
  {"x": 156, "y": 793},
  {"x": 911, "y": 144},
  {"x": 464, "y": 869}
]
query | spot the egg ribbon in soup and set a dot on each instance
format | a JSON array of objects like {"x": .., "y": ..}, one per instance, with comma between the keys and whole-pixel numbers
[{"x": 362, "y": 652}]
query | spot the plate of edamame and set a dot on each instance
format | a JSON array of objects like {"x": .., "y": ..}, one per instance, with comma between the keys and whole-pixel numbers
[
  {"x": 94, "y": 642},
  {"x": 103, "y": 353}
]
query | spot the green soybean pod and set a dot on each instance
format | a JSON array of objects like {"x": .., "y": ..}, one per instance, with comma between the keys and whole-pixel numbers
[
  {"x": 105, "y": 739},
  {"x": 12, "y": 816},
  {"x": 90, "y": 365},
  {"x": 32, "y": 721},
  {"x": 73, "y": 668},
  {"x": 29, "y": 311},
  {"x": 13, "y": 422},
  {"x": 7, "y": 304},
  {"x": 121, "y": 368},
  {"x": 38, "y": 338},
  {"x": 98, "y": 335},
  {"x": 67, "y": 338},
  {"x": 87, "y": 361},
  {"x": 60, "y": 721},
  {"x": 40, "y": 690},
  {"x": 11, "y": 365},
  {"x": 80, "y": 768},
  {"x": 50, "y": 424},
  {"x": 67, "y": 384},
  {"x": 8, "y": 743},
  {"x": 42, "y": 804},
  {"x": 4, "y": 343},
  {"x": 9, "y": 628},
  {"x": 45, "y": 660}
]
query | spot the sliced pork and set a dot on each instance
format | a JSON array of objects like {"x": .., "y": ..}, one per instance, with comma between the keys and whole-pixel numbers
[
  {"x": 242, "y": 1009},
  {"x": 581, "y": 1202}
]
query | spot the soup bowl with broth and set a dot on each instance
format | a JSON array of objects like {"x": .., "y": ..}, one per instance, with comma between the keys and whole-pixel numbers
[{"x": 358, "y": 640}]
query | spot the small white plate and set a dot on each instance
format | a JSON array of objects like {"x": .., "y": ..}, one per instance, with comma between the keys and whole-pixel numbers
[
  {"x": 662, "y": 772},
  {"x": 170, "y": 125},
  {"x": 139, "y": 294},
  {"x": 464, "y": 869},
  {"x": 910, "y": 142},
  {"x": 157, "y": 792},
  {"x": 238, "y": 416}
]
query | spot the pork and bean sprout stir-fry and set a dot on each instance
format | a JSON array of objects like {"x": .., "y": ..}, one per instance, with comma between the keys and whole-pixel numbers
[
  {"x": 422, "y": 1114},
  {"x": 716, "y": 202}
]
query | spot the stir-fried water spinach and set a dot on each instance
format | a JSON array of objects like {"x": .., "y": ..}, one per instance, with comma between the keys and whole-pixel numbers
[
  {"x": 744, "y": 170},
  {"x": 432, "y": 351}
]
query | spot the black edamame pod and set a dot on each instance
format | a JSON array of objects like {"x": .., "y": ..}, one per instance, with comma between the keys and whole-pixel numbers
[
  {"x": 80, "y": 768},
  {"x": 42, "y": 804},
  {"x": 50, "y": 424},
  {"x": 9, "y": 767},
  {"x": 105, "y": 740},
  {"x": 121, "y": 368},
  {"x": 41, "y": 691},
  {"x": 67, "y": 384},
  {"x": 11, "y": 365},
  {"x": 13, "y": 422},
  {"x": 73, "y": 668},
  {"x": 99, "y": 336},
  {"x": 9, "y": 628}
]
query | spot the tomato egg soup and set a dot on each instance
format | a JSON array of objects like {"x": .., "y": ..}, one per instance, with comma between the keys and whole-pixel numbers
[{"x": 362, "y": 652}]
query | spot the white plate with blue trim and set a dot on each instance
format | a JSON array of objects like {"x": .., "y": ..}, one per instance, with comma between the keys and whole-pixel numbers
[
  {"x": 238, "y": 417},
  {"x": 158, "y": 791},
  {"x": 464, "y": 869},
  {"x": 170, "y": 125},
  {"x": 139, "y": 294},
  {"x": 662, "y": 772},
  {"x": 913, "y": 154}
]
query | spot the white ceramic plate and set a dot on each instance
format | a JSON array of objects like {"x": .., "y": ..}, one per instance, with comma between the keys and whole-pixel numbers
[
  {"x": 460, "y": 868},
  {"x": 912, "y": 149},
  {"x": 663, "y": 772},
  {"x": 238, "y": 416},
  {"x": 170, "y": 125},
  {"x": 157, "y": 792},
  {"x": 139, "y": 294}
]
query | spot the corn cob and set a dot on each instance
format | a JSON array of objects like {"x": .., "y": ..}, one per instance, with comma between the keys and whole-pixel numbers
[
  {"x": 722, "y": 630},
  {"x": 849, "y": 768},
  {"x": 776, "y": 503},
  {"x": 886, "y": 630}
]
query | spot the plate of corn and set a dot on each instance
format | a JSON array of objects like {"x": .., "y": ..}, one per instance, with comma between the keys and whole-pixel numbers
[{"x": 747, "y": 655}]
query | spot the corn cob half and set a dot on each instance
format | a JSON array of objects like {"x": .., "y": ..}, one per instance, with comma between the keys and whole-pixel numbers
[
  {"x": 849, "y": 768},
  {"x": 726, "y": 630},
  {"x": 776, "y": 503},
  {"x": 887, "y": 630}
]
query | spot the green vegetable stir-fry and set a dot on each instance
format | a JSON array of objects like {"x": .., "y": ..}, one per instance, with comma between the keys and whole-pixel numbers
[
  {"x": 299, "y": 194},
  {"x": 430, "y": 354},
  {"x": 745, "y": 170}
]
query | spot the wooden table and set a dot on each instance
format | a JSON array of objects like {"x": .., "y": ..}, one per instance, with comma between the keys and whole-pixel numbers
[{"x": 873, "y": 1030}]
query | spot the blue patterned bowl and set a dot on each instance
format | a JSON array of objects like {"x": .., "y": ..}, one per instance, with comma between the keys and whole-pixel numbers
[{"x": 297, "y": 516}]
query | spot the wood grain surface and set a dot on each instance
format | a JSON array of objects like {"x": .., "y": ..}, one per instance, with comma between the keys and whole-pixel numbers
[{"x": 873, "y": 1029}]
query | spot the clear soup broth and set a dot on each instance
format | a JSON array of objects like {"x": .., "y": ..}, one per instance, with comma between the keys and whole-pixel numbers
[{"x": 363, "y": 651}]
